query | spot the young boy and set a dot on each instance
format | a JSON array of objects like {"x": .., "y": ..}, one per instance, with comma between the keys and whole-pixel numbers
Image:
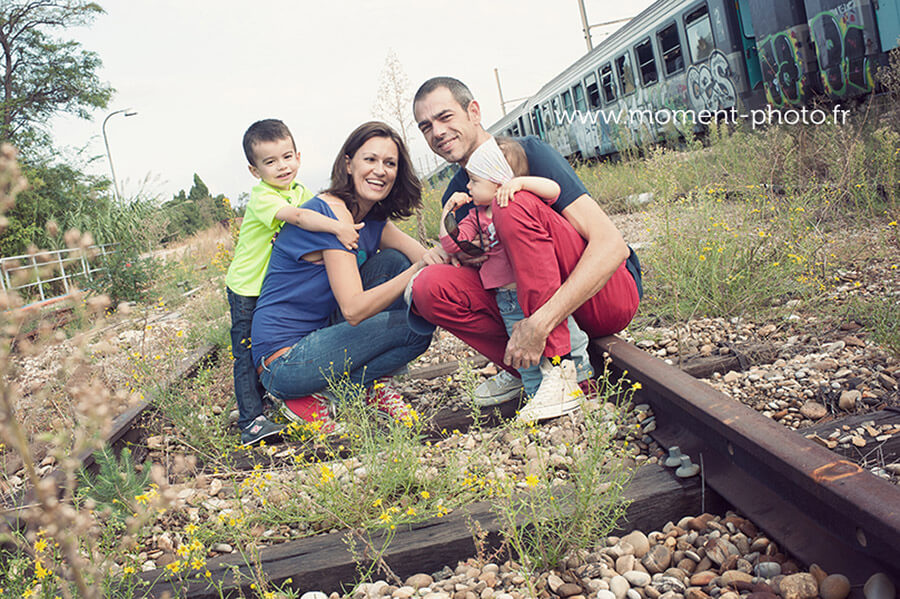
[
  {"x": 499, "y": 169},
  {"x": 274, "y": 160}
]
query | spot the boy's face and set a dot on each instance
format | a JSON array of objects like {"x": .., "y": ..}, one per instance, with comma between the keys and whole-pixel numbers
[
  {"x": 481, "y": 190},
  {"x": 276, "y": 162}
]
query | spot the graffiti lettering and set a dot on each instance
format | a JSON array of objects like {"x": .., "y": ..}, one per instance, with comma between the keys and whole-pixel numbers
[
  {"x": 782, "y": 68},
  {"x": 841, "y": 49},
  {"x": 709, "y": 84}
]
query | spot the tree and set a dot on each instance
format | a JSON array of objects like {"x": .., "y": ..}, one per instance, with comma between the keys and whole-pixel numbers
[
  {"x": 392, "y": 104},
  {"x": 41, "y": 76}
]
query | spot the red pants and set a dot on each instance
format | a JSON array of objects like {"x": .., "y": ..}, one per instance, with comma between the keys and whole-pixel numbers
[{"x": 543, "y": 249}]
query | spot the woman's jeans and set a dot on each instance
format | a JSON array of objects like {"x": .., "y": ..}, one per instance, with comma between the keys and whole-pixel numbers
[
  {"x": 376, "y": 347},
  {"x": 511, "y": 312}
]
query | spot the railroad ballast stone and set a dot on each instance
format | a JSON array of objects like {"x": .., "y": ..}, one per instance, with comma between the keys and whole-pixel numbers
[{"x": 710, "y": 557}]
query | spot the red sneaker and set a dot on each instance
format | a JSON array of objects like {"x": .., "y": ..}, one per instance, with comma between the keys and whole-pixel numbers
[
  {"x": 384, "y": 396},
  {"x": 311, "y": 410}
]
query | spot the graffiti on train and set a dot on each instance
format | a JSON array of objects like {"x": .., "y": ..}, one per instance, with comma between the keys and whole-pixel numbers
[
  {"x": 782, "y": 67},
  {"x": 709, "y": 84},
  {"x": 841, "y": 46}
]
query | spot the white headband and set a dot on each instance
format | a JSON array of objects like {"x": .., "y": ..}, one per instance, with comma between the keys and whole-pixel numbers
[{"x": 488, "y": 162}]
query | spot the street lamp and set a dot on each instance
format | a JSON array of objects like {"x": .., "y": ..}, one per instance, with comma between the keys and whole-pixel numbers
[{"x": 126, "y": 112}]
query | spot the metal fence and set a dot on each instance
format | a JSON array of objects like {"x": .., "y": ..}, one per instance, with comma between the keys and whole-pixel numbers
[{"x": 52, "y": 274}]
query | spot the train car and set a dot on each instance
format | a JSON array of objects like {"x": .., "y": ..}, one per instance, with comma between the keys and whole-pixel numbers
[{"x": 681, "y": 60}]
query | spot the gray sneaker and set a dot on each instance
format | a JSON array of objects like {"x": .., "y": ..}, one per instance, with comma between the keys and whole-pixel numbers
[
  {"x": 498, "y": 389},
  {"x": 261, "y": 428}
]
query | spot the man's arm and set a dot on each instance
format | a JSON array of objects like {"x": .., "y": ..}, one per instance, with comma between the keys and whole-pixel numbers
[{"x": 604, "y": 252}]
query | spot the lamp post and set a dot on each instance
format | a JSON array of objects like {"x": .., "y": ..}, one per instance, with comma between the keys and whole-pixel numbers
[{"x": 126, "y": 112}]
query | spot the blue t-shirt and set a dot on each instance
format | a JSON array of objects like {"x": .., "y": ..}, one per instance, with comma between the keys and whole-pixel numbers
[
  {"x": 543, "y": 161},
  {"x": 296, "y": 297}
]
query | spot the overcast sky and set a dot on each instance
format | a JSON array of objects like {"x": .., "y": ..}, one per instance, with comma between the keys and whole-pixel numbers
[{"x": 199, "y": 72}]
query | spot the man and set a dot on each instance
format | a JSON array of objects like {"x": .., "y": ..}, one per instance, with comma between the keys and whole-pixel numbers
[{"x": 595, "y": 283}]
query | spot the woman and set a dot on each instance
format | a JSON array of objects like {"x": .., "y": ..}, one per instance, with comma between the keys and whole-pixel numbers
[{"x": 325, "y": 310}]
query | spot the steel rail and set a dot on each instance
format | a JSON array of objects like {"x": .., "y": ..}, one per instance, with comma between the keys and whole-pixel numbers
[{"x": 818, "y": 506}]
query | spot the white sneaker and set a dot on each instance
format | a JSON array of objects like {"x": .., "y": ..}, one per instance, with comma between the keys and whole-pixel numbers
[
  {"x": 498, "y": 389},
  {"x": 558, "y": 394}
]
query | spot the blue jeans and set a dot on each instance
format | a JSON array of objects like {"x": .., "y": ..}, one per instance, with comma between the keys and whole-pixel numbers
[
  {"x": 247, "y": 388},
  {"x": 511, "y": 312},
  {"x": 376, "y": 347}
]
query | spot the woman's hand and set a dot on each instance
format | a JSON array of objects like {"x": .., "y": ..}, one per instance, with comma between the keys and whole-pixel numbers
[
  {"x": 506, "y": 191},
  {"x": 436, "y": 255}
]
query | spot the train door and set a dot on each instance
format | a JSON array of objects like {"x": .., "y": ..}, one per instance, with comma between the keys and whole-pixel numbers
[
  {"x": 537, "y": 123},
  {"x": 847, "y": 45},
  {"x": 786, "y": 57},
  {"x": 594, "y": 104},
  {"x": 888, "y": 17},
  {"x": 748, "y": 41},
  {"x": 522, "y": 127},
  {"x": 584, "y": 129}
]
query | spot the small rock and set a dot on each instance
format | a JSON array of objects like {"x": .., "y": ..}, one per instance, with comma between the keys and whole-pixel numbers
[
  {"x": 403, "y": 592},
  {"x": 619, "y": 586},
  {"x": 848, "y": 399},
  {"x": 419, "y": 581},
  {"x": 732, "y": 577},
  {"x": 554, "y": 582},
  {"x": 813, "y": 410},
  {"x": 604, "y": 594},
  {"x": 731, "y": 377},
  {"x": 568, "y": 589},
  {"x": 657, "y": 559},
  {"x": 767, "y": 569},
  {"x": 701, "y": 579},
  {"x": 625, "y": 564},
  {"x": 639, "y": 541},
  {"x": 695, "y": 593},
  {"x": 836, "y": 586},
  {"x": 799, "y": 586},
  {"x": 879, "y": 586},
  {"x": 222, "y": 548},
  {"x": 314, "y": 595},
  {"x": 637, "y": 579},
  {"x": 818, "y": 573}
]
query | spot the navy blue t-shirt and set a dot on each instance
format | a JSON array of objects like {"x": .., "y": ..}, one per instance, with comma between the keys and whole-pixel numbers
[
  {"x": 296, "y": 297},
  {"x": 543, "y": 161}
]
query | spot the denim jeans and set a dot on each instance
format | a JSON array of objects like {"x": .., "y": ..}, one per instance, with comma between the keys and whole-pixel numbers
[
  {"x": 511, "y": 311},
  {"x": 247, "y": 388},
  {"x": 378, "y": 346}
]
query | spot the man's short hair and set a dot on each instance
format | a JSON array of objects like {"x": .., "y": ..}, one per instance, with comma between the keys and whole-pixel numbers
[
  {"x": 514, "y": 154},
  {"x": 265, "y": 130},
  {"x": 461, "y": 93}
]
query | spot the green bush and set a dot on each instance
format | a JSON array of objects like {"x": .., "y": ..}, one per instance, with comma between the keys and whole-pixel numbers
[{"x": 126, "y": 275}]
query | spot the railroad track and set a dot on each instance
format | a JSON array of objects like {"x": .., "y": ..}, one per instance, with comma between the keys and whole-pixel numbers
[{"x": 815, "y": 504}]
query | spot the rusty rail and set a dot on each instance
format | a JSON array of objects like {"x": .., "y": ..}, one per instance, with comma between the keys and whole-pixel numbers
[{"x": 820, "y": 507}]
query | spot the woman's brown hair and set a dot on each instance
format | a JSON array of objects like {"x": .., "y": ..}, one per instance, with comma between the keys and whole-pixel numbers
[{"x": 405, "y": 195}]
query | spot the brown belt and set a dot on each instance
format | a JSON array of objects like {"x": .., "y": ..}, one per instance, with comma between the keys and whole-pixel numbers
[{"x": 271, "y": 358}]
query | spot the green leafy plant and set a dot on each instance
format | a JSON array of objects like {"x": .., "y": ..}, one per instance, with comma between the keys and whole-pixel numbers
[{"x": 117, "y": 486}]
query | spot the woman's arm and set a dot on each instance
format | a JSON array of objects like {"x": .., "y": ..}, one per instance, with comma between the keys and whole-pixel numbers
[
  {"x": 393, "y": 237},
  {"x": 356, "y": 303}
]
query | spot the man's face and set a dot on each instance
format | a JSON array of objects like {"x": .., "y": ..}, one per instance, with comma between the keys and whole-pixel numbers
[{"x": 451, "y": 131}]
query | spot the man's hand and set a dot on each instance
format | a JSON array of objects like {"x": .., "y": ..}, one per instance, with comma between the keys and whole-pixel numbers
[
  {"x": 526, "y": 344},
  {"x": 436, "y": 255}
]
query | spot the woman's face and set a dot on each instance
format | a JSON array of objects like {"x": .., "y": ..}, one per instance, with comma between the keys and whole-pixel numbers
[{"x": 373, "y": 168}]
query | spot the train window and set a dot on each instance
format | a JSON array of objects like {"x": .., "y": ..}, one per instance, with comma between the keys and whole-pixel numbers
[
  {"x": 548, "y": 120},
  {"x": 670, "y": 48},
  {"x": 593, "y": 92},
  {"x": 699, "y": 34},
  {"x": 646, "y": 62},
  {"x": 625, "y": 73},
  {"x": 606, "y": 81},
  {"x": 578, "y": 92},
  {"x": 522, "y": 130},
  {"x": 567, "y": 102}
]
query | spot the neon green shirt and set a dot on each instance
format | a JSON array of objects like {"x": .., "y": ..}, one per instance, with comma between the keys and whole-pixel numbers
[{"x": 254, "y": 247}]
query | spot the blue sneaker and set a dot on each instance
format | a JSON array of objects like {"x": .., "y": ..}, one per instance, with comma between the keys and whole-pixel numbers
[{"x": 261, "y": 428}]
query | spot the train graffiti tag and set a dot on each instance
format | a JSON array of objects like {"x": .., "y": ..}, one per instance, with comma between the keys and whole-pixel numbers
[
  {"x": 710, "y": 86},
  {"x": 781, "y": 59},
  {"x": 841, "y": 41}
]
